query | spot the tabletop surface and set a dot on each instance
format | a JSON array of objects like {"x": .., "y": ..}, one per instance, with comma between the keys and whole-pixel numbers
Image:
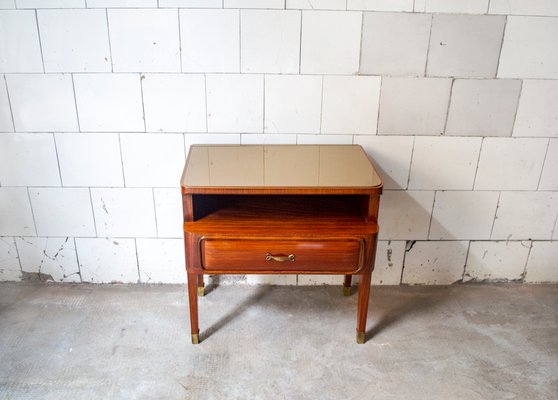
[{"x": 279, "y": 166}]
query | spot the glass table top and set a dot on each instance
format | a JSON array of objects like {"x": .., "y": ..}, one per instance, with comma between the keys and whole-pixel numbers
[{"x": 274, "y": 166}]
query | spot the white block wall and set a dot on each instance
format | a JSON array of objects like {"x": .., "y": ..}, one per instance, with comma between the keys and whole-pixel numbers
[{"x": 457, "y": 101}]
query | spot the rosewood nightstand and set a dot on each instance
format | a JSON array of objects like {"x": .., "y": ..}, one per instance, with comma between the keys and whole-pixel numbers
[{"x": 280, "y": 210}]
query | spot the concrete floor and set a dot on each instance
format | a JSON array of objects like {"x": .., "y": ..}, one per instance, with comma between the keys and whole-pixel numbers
[{"x": 133, "y": 342}]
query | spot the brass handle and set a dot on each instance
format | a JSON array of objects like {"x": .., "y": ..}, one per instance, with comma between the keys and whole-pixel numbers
[{"x": 290, "y": 257}]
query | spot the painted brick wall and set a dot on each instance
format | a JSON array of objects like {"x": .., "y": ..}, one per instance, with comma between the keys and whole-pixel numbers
[{"x": 457, "y": 101}]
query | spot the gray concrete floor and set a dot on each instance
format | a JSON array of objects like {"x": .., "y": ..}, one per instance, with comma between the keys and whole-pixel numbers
[{"x": 133, "y": 342}]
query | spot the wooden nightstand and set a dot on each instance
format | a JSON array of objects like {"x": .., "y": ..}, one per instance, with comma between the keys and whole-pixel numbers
[{"x": 280, "y": 210}]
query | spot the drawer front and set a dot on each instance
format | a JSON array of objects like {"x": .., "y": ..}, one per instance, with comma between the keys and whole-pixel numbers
[{"x": 281, "y": 255}]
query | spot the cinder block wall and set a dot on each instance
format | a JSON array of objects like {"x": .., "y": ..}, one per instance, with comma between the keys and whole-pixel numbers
[{"x": 457, "y": 101}]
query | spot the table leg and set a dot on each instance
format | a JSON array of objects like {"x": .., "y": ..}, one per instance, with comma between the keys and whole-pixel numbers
[
  {"x": 362, "y": 308},
  {"x": 201, "y": 291},
  {"x": 347, "y": 285},
  {"x": 193, "y": 298}
]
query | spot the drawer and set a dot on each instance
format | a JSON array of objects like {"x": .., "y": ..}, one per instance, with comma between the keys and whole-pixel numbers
[{"x": 281, "y": 255}]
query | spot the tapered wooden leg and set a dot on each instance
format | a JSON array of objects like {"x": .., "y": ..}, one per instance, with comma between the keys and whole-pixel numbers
[
  {"x": 193, "y": 298},
  {"x": 347, "y": 285},
  {"x": 362, "y": 308},
  {"x": 201, "y": 291}
]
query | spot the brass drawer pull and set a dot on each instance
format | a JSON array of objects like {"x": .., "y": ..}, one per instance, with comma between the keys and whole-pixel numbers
[{"x": 290, "y": 257}]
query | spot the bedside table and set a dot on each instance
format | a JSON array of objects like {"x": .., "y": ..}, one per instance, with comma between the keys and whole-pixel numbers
[{"x": 280, "y": 209}]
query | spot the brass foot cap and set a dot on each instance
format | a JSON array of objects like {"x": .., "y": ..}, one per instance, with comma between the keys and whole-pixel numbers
[
  {"x": 346, "y": 290},
  {"x": 201, "y": 292},
  {"x": 195, "y": 338},
  {"x": 360, "y": 337}
]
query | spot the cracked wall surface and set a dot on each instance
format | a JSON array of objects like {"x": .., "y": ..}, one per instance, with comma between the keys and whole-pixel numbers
[
  {"x": 51, "y": 258},
  {"x": 456, "y": 102}
]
